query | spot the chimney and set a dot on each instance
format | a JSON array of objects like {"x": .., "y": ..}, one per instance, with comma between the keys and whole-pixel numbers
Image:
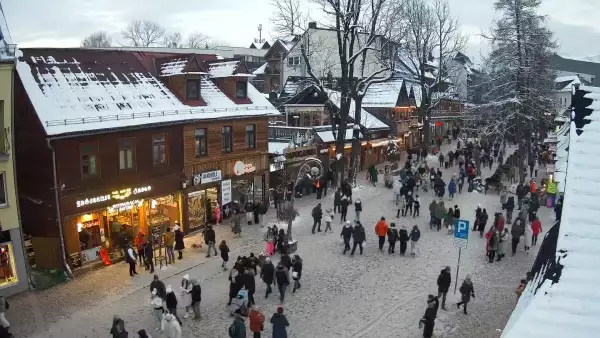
[{"x": 312, "y": 25}]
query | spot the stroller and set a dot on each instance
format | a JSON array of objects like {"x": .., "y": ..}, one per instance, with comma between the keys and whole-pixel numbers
[{"x": 240, "y": 303}]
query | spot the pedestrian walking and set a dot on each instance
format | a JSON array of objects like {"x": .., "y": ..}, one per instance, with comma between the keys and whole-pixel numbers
[
  {"x": 170, "y": 326},
  {"x": 210, "y": 238},
  {"x": 249, "y": 210},
  {"x": 483, "y": 221},
  {"x": 381, "y": 229},
  {"x": 250, "y": 285},
  {"x": 131, "y": 258},
  {"x": 195, "y": 298},
  {"x": 452, "y": 188},
  {"x": 169, "y": 240},
  {"x": 461, "y": 183},
  {"x": 237, "y": 329},
  {"x": 492, "y": 244},
  {"x": 236, "y": 282},
  {"x": 186, "y": 295},
  {"x": 179, "y": 245},
  {"x": 257, "y": 321},
  {"x": 337, "y": 201},
  {"x": 159, "y": 286},
  {"x": 527, "y": 238},
  {"x": 416, "y": 206},
  {"x": 253, "y": 263},
  {"x": 520, "y": 289},
  {"x": 502, "y": 239},
  {"x": 143, "y": 334},
  {"x": 328, "y": 219},
  {"x": 317, "y": 215},
  {"x": 536, "y": 228},
  {"x": 346, "y": 235},
  {"x": 443, "y": 282},
  {"x": 296, "y": 272},
  {"x": 267, "y": 274},
  {"x": 283, "y": 280},
  {"x": 509, "y": 206},
  {"x": 140, "y": 243},
  {"x": 156, "y": 302},
  {"x": 403, "y": 238},
  {"x": 224, "y": 254},
  {"x": 414, "y": 237},
  {"x": 432, "y": 213},
  {"x": 428, "y": 320},
  {"x": 392, "y": 238},
  {"x": 280, "y": 324},
  {"x": 149, "y": 255},
  {"x": 516, "y": 232},
  {"x": 408, "y": 205},
  {"x": 344, "y": 207},
  {"x": 357, "y": 209},
  {"x": 117, "y": 329},
  {"x": 456, "y": 212},
  {"x": 358, "y": 236},
  {"x": 171, "y": 301},
  {"x": 467, "y": 291}
]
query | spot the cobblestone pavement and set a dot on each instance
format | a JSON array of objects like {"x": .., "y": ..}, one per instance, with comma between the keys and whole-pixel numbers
[{"x": 373, "y": 295}]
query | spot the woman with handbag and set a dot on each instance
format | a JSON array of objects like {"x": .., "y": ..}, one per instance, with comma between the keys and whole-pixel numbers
[{"x": 296, "y": 272}]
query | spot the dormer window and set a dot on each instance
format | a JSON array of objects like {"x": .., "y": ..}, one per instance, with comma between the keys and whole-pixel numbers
[
  {"x": 192, "y": 89},
  {"x": 241, "y": 91}
]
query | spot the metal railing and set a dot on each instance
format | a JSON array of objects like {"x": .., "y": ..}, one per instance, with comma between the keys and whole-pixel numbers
[{"x": 285, "y": 133}]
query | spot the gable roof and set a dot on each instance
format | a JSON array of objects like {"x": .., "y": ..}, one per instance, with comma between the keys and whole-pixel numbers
[
  {"x": 80, "y": 90},
  {"x": 367, "y": 120},
  {"x": 383, "y": 94},
  {"x": 227, "y": 68},
  {"x": 561, "y": 300}
]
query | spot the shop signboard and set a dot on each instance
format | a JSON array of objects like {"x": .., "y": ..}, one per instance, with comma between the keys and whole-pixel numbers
[
  {"x": 225, "y": 192},
  {"x": 115, "y": 195},
  {"x": 207, "y": 177},
  {"x": 241, "y": 168}
]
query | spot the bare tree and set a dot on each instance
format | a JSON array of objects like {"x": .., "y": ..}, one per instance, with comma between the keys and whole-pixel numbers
[
  {"x": 96, "y": 39},
  {"x": 144, "y": 33},
  {"x": 431, "y": 33},
  {"x": 288, "y": 18},
  {"x": 366, "y": 56},
  {"x": 172, "y": 40},
  {"x": 197, "y": 40}
]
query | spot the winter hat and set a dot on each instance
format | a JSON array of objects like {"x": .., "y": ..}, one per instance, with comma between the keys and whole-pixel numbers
[
  {"x": 347, "y": 224},
  {"x": 186, "y": 277},
  {"x": 176, "y": 227},
  {"x": 169, "y": 289},
  {"x": 268, "y": 260},
  {"x": 280, "y": 309},
  {"x": 154, "y": 292},
  {"x": 142, "y": 333},
  {"x": 168, "y": 317},
  {"x": 393, "y": 225}
]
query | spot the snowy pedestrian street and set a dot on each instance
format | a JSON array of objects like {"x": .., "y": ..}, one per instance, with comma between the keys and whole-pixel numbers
[{"x": 373, "y": 295}]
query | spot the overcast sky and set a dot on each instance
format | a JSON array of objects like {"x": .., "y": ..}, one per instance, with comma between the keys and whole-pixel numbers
[{"x": 63, "y": 23}]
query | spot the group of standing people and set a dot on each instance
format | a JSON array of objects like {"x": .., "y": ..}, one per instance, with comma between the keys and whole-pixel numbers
[{"x": 144, "y": 251}]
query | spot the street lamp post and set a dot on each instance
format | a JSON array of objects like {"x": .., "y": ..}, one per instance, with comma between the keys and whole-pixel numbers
[{"x": 306, "y": 171}]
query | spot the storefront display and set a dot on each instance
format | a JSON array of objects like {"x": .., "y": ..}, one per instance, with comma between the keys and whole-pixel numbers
[
  {"x": 201, "y": 204},
  {"x": 8, "y": 271}
]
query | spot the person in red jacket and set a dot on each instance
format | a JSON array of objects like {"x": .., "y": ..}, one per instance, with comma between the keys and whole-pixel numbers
[
  {"x": 536, "y": 227},
  {"x": 533, "y": 186},
  {"x": 499, "y": 222},
  {"x": 257, "y": 321},
  {"x": 381, "y": 229}
]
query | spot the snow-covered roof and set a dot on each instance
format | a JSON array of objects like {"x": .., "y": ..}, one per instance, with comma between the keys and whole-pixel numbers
[
  {"x": 223, "y": 69},
  {"x": 7, "y": 49},
  {"x": 174, "y": 67},
  {"x": 383, "y": 94},
  {"x": 260, "y": 70},
  {"x": 81, "y": 90},
  {"x": 327, "y": 135},
  {"x": 367, "y": 120},
  {"x": 277, "y": 147},
  {"x": 561, "y": 301}
]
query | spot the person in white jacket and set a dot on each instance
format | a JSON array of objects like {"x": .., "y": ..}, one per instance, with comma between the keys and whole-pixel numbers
[
  {"x": 528, "y": 236},
  {"x": 170, "y": 326},
  {"x": 186, "y": 297},
  {"x": 328, "y": 219},
  {"x": 157, "y": 308}
]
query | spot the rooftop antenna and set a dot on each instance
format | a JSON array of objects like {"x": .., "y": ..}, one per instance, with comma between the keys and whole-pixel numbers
[{"x": 260, "y": 39}]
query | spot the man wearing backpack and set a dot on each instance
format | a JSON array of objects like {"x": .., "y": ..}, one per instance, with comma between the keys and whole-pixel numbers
[{"x": 238, "y": 327}]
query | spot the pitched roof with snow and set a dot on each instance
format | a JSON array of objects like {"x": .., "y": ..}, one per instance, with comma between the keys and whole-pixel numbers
[
  {"x": 77, "y": 90},
  {"x": 383, "y": 94},
  {"x": 260, "y": 70},
  {"x": 326, "y": 135},
  {"x": 223, "y": 69},
  {"x": 367, "y": 120},
  {"x": 561, "y": 300}
]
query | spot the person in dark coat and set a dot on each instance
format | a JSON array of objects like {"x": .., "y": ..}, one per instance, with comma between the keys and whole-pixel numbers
[
  {"x": 392, "y": 238},
  {"x": 466, "y": 291},
  {"x": 359, "y": 237},
  {"x": 280, "y": 324},
  {"x": 171, "y": 302},
  {"x": 346, "y": 234},
  {"x": 253, "y": 263},
  {"x": 296, "y": 272},
  {"x": 443, "y": 282},
  {"x": 337, "y": 201},
  {"x": 456, "y": 212},
  {"x": 224, "y": 254},
  {"x": 282, "y": 278},
  {"x": 210, "y": 238},
  {"x": 478, "y": 212},
  {"x": 428, "y": 319},
  {"x": 236, "y": 281},
  {"x": 118, "y": 328},
  {"x": 345, "y": 202},
  {"x": 179, "y": 246},
  {"x": 403, "y": 237},
  {"x": 149, "y": 255},
  {"x": 317, "y": 215},
  {"x": 267, "y": 274},
  {"x": 256, "y": 211},
  {"x": 520, "y": 191},
  {"x": 250, "y": 285},
  {"x": 196, "y": 294},
  {"x": 286, "y": 260},
  {"x": 482, "y": 222},
  {"x": 509, "y": 206},
  {"x": 157, "y": 284}
]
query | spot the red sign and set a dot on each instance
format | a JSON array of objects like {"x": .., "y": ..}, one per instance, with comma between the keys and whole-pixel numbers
[{"x": 438, "y": 124}]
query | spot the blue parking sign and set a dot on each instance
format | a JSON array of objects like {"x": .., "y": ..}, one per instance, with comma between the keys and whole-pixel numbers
[{"x": 461, "y": 233}]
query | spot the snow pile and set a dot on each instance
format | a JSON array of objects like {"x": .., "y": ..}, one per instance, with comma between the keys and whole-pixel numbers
[
  {"x": 223, "y": 69},
  {"x": 174, "y": 67}
]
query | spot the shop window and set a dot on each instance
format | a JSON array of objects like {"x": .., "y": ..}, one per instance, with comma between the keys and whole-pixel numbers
[
  {"x": 126, "y": 153},
  {"x": 159, "y": 149},
  {"x": 251, "y": 136},
  {"x": 200, "y": 135},
  {"x": 89, "y": 159},
  {"x": 3, "y": 192},
  {"x": 192, "y": 89},
  {"x": 226, "y": 139},
  {"x": 8, "y": 271},
  {"x": 241, "y": 90},
  {"x": 201, "y": 206}
]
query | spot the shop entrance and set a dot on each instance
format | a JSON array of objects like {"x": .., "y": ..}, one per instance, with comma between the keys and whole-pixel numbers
[{"x": 201, "y": 204}]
